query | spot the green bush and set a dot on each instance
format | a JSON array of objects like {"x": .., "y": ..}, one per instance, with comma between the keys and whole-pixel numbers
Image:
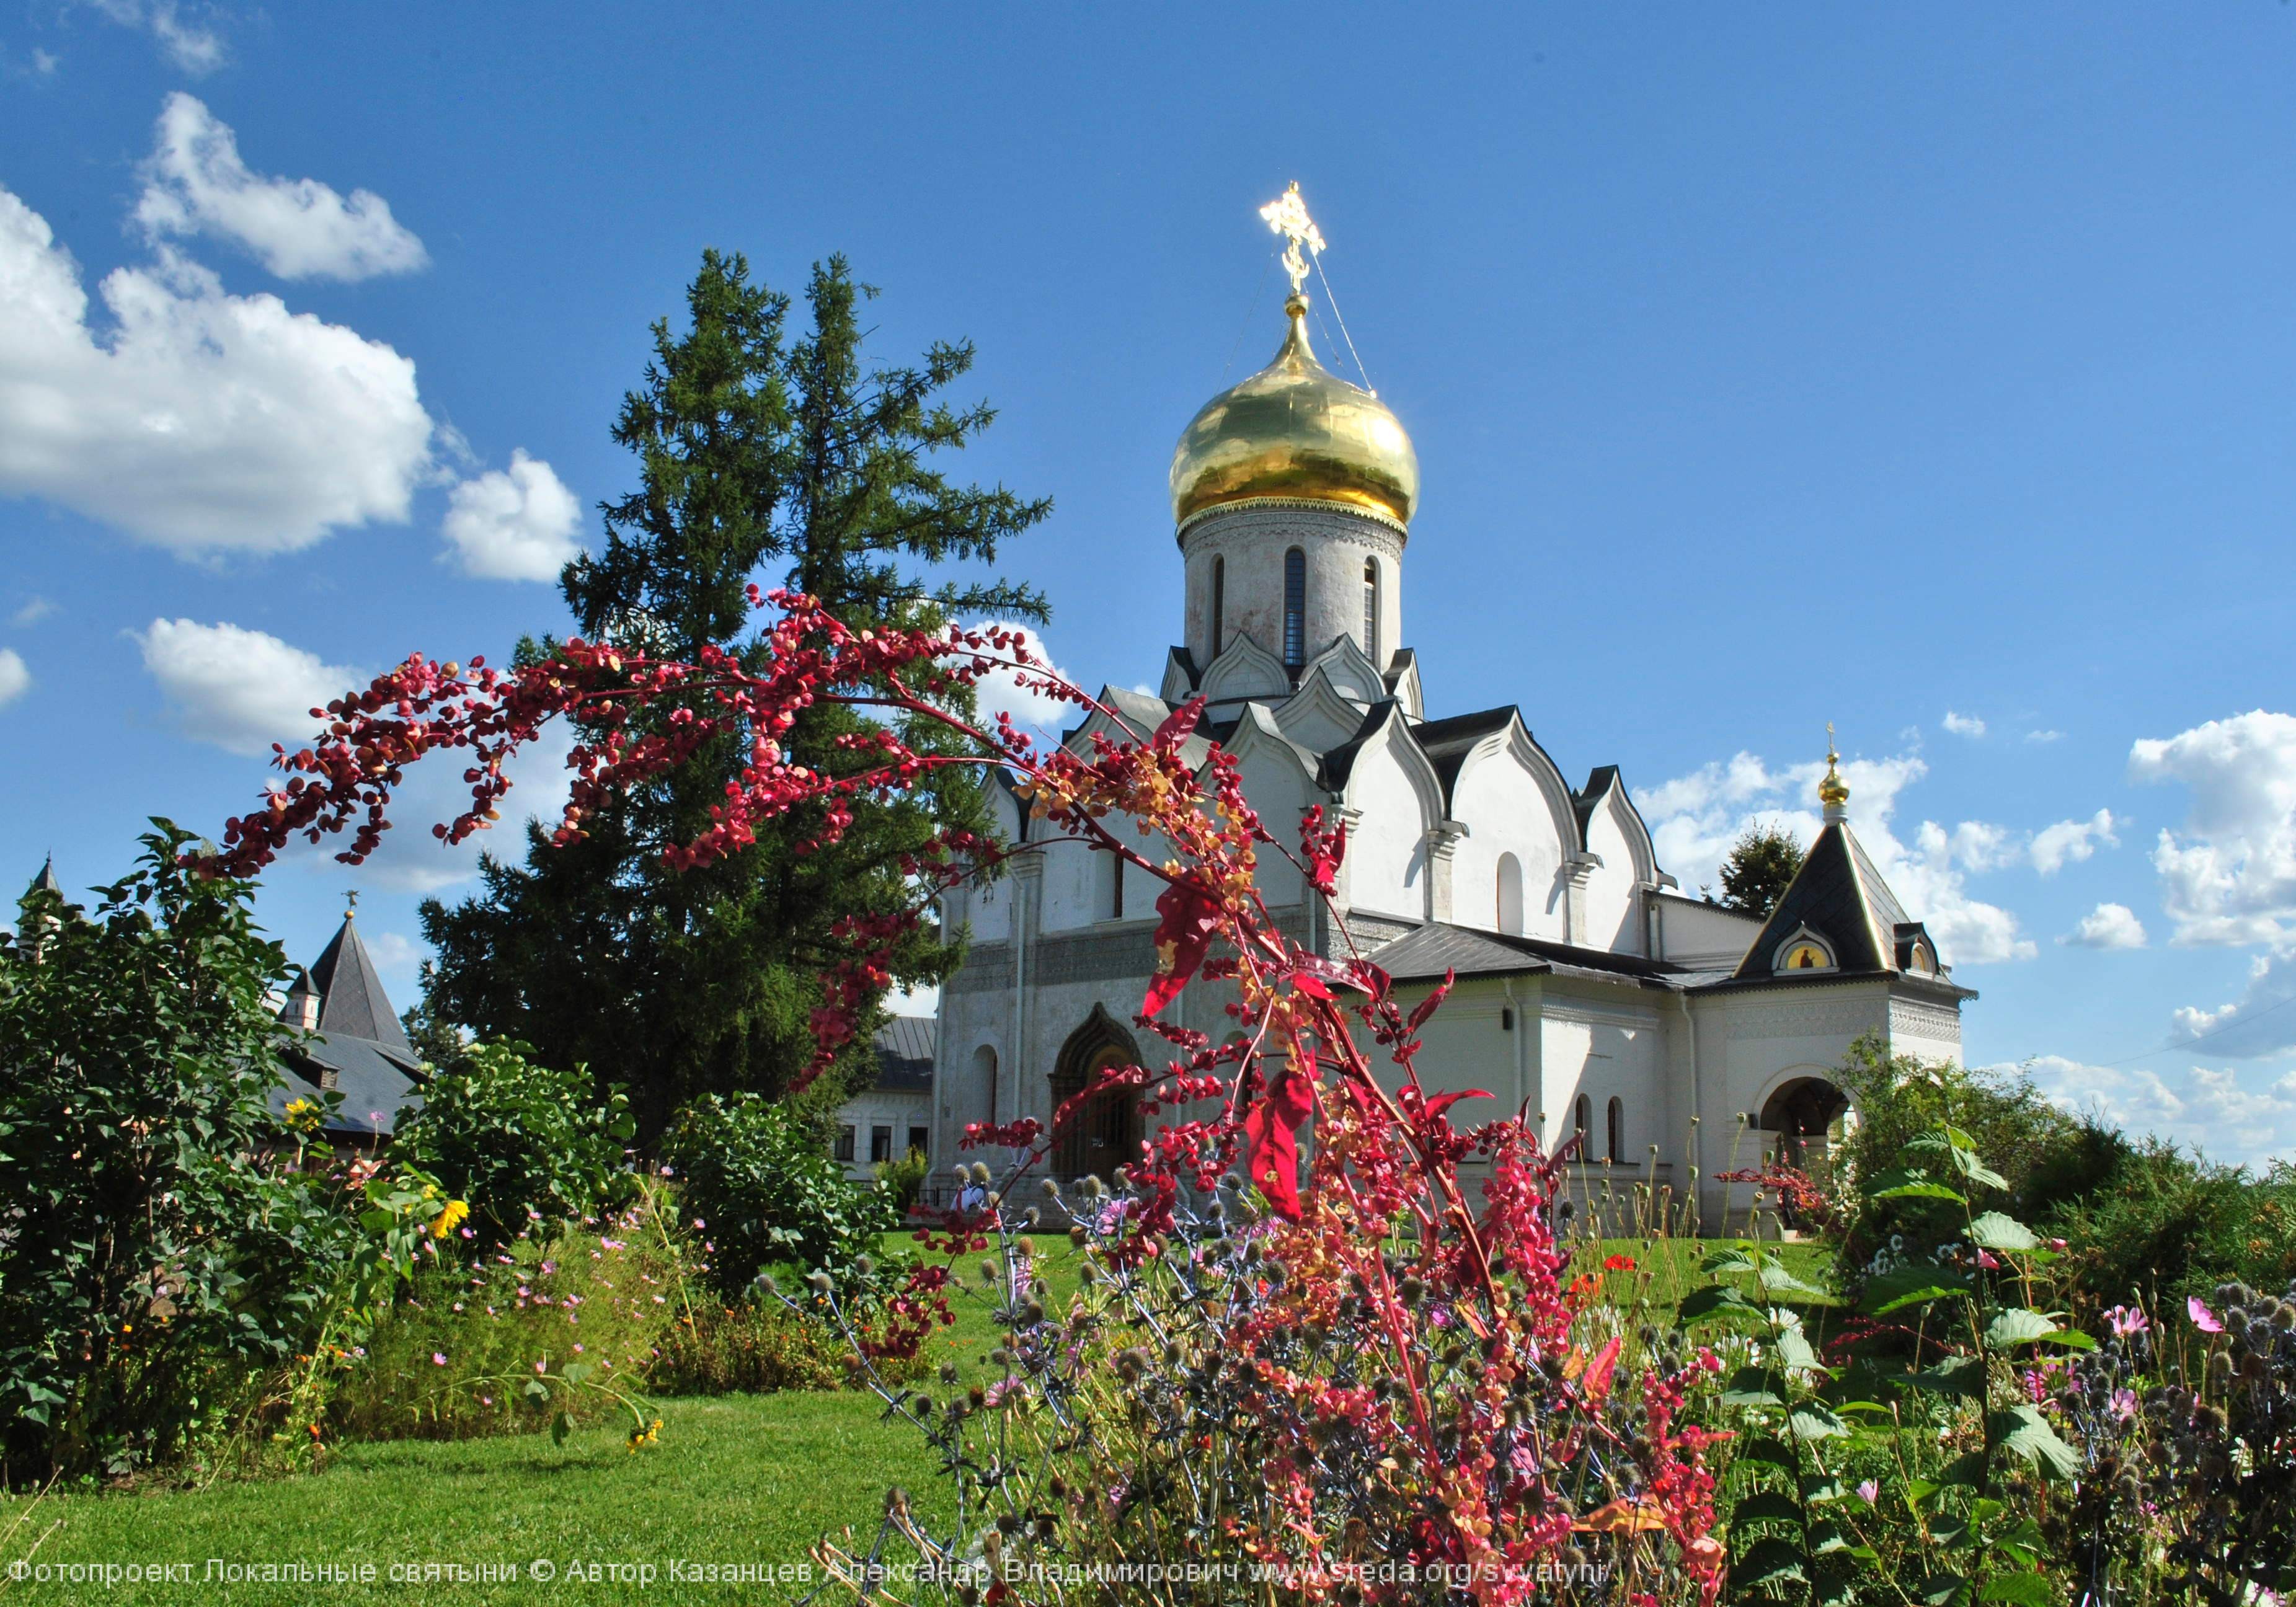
[
  {"x": 760, "y": 1187},
  {"x": 903, "y": 1180},
  {"x": 503, "y": 1341},
  {"x": 520, "y": 1143},
  {"x": 750, "y": 1347},
  {"x": 164, "y": 1246},
  {"x": 2040, "y": 1150},
  {"x": 2163, "y": 1225}
]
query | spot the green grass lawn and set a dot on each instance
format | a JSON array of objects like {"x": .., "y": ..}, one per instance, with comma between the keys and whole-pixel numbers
[{"x": 741, "y": 1479}]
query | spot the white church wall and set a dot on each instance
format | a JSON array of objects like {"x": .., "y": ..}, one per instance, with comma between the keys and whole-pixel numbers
[
  {"x": 1335, "y": 544},
  {"x": 1612, "y": 920},
  {"x": 1387, "y": 851},
  {"x": 1273, "y": 784},
  {"x": 1929, "y": 1032},
  {"x": 1694, "y": 932},
  {"x": 1505, "y": 811}
]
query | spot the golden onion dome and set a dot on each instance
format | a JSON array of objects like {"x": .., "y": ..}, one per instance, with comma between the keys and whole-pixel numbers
[{"x": 1295, "y": 430}]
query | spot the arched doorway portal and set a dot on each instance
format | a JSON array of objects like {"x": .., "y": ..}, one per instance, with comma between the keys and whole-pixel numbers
[
  {"x": 1808, "y": 1114},
  {"x": 1106, "y": 1133}
]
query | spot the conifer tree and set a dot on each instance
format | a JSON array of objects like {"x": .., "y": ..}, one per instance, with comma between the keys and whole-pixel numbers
[
  {"x": 766, "y": 459},
  {"x": 1762, "y": 864}
]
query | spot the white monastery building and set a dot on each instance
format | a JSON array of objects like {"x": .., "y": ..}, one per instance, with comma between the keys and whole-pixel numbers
[{"x": 1591, "y": 993}]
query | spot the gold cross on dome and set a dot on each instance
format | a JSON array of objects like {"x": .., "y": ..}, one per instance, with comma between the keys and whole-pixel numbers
[{"x": 1287, "y": 215}]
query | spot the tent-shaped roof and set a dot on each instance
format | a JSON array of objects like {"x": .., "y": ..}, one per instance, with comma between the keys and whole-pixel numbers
[
  {"x": 1840, "y": 895},
  {"x": 352, "y": 1003}
]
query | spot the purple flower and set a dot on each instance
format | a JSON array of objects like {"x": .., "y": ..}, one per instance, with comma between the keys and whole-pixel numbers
[
  {"x": 2205, "y": 1320},
  {"x": 437, "y": 1359},
  {"x": 1869, "y": 1491}
]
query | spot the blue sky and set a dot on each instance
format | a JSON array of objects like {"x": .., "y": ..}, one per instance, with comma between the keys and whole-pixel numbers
[{"x": 1926, "y": 372}]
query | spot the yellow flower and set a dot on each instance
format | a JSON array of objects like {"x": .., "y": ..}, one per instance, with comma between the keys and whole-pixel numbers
[
  {"x": 450, "y": 1218},
  {"x": 302, "y": 1115}
]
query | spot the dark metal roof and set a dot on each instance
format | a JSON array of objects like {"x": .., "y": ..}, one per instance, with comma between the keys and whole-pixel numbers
[
  {"x": 352, "y": 1003},
  {"x": 1838, "y": 895},
  {"x": 45, "y": 882},
  {"x": 1337, "y": 762},
  {"x": 375, "y": 1082},
  {"x": 905, "y": 1053},
  {"x": 1438, "y": 946},
  {"x": 1447, "y": 742}
]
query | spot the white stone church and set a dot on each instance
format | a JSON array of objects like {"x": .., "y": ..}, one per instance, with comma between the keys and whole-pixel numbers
[{"x": 1592, "y": 992}]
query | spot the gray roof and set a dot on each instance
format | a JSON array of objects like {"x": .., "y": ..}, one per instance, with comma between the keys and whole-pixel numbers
[
  {"x": 360, "y": 1050},
  {"x": 45, "y": 882},
  {"x": 905, "y": 1053},
  {"x": 1838, "y": 895},
  {"x": 352, "y": 1003},
  {"x": 1425, "y": 953},
  {"x": 376, "y": 1083}
]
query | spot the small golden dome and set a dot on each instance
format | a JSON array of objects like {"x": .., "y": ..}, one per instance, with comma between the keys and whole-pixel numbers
[
  {"x": 1295, "y": 430},
  {"x": 1833, "y": 791}
]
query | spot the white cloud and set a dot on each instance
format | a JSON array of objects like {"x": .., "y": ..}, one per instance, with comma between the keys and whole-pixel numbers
[
  {"x": 2070, "y": 841},
  {"x": 1031, "y": 709},
  {"x": 202, "y": 422},
  {"x": 2107, "y": 926},
  {"x": 33, "y": 611},
  {"x": 2044, "y": 736},
  {"x": 298, "y": 229},
  {"x": 242, "y": 690},
  {"x": 2229, "y": 875},
  {"x": 2261, "y": 1022},
  {"x": 1694, "y": 819},
  {"x": 394, "y": 952},
  {"x": 2232, "y": 1116},
  {"x": 193, "y": 47},
  {"x": 1963, "y": 724},
  {"x": 15, "y": 680},
  {"x": 513, "y": 524}
]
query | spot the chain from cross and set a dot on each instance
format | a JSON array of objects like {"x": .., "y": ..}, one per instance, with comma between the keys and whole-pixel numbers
[{"x": 1287, "y": 215}]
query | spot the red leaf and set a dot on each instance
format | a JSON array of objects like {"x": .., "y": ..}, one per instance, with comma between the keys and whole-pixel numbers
[
  {"x": 1183, "y": 931},
  {"x": 1429, "y": 1004},
  {"x": 1176, "y": 726},
  {"x": 1444, "y": 1102},
  {"x": 1272, "y": 1141}
]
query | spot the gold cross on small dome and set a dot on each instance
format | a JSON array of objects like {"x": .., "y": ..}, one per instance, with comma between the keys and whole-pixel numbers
[{"x": 1287, "y": 215}]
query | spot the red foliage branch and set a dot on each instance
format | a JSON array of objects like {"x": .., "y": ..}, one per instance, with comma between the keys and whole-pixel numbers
[{"x": 1483, "y": 1280}]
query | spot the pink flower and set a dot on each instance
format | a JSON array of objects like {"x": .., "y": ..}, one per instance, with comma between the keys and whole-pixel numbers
[
  {"x": 2203, "y": 1319},
  {"x": 2126, "y": 1320},
  {"x": 577, "y": 1349},
  {"x": 539, "y": 1368},
  {"x": 1869, "y": 1491},
  {"x": 2123, "y": 1404},
  {"x": 437, "y": 1359}
]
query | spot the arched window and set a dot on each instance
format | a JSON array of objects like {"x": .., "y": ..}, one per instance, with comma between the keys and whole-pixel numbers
[
  {"x": 1219, "y": 604},
  {"x": 1510, "y": 910},
  {"x": 984, "y": 1079},
  {"x": 1615, "y": 1137},
  {"x": 1582, "y": 1117},
  {"x": 1295, "y": 608},
  {"x": 1371, "y": 613}
]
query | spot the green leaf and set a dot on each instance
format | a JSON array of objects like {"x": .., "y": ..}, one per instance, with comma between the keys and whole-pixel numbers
[
  {"x": 536, "y": 1391},
  {"x": 2071, "y": 1338},
  {"x": 561, "y": 1426},
  {"x": 1995, "y": 1231},
  {"x": 1731, "y": 1261},
  {"x": 1754, "y": 1386},
  {"x": 1817, "y": 1488},
  {"x": 2023, "y": 1589},
  {"x": 1813, "y": 1421},
  {"x": 1774, "y": 1277},
  {"x": 1794, "y": 1349},
  {"x": 1939, "y": 1589},
  {"x": 1961, "y": 1377},
  {"x": 1965, "y": 1472},
  {"x": 1766, "y": 1449},
  {"x": 1825, "y": 1538},
  {"x": 2017, "y": 1326},
  {"x": 1715, "y": 1299},
  {"x": 1767, "y": 1561},
  {"x": 1913, "y": 1284},
  {"x": 574, "y": 1372},
  {"x": 1766, "y": 1507},
  {"x": 2024, "y": 1431}
]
